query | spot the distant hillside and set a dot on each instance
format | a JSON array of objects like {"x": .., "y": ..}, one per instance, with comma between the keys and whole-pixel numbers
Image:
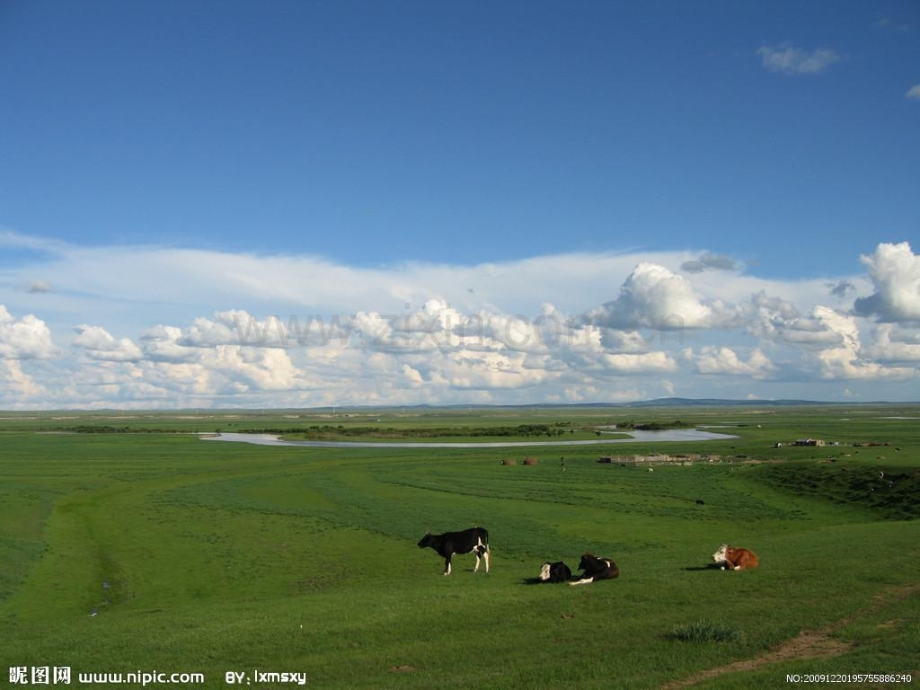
[
  {"x": 679, "y": 402},
  {"x": 658, "y": 402},
  {"x": 722, "y": 402}
]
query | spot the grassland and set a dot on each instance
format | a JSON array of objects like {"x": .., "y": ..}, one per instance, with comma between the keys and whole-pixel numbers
[{"x": 216, "y": 557}]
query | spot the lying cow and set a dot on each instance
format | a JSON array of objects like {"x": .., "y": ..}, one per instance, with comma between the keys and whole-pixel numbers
[
  {"x": 735, "y": 558},
  {"x": 555, "y": 572},
  {"x": 473, "y": 540},
  {"x": 596, "y": 569}
]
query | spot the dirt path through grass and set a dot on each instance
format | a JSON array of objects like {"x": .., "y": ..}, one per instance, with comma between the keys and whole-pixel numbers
[{"x": 809, "y": 644}]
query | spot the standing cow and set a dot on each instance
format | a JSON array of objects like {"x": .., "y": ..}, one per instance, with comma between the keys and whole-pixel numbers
[
  {"x": 596, "y": 569},
  {"x": 473, "y": 540}
]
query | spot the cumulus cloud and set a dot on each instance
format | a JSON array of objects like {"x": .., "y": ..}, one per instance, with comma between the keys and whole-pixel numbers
[
  {"x": 913, "y": 93},
  {"x": 767, "y": 316},
  {"x": 432, "y": 354},
  {"x": 225, "y": 372},
  {"x": 709, "y": 262},
  {"x": 244, "y": 368},
  {"x": 624, "y": 342},
  {"x": 654, "y": 297},
  {"x": 301, "y": 331},
  {"x": 778, "y": 320},
  {"x": 437, "y": 326},
  {"x": 648, "y": 363},
  {"x": 162, "y": 344},
  {"x": 485, "y": 370},
  {"x": 713, "y": 360},
  {"x": 847, "y": 361},
  {"x": 892, "y": 344},
  {"x": 98, "y": 343},
  {"x": 790, "y": 60},
  {"x": 25, "y": 338},
  {"x": 15, "y": 383},
  {"x": 895, "y": 273}
]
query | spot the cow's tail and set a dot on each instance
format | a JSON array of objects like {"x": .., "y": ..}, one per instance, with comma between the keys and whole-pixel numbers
[{"x": 484, "y": 537}]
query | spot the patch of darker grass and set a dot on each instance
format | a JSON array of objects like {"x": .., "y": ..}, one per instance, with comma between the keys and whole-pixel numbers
[
  {"x": 705, "y": 631},
  {"x": 891, "y": 493}
]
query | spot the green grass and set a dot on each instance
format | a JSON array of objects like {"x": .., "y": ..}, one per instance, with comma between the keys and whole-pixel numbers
[
  {"x": 223, "y": 557},
  {"x": 705, "y": 631}
]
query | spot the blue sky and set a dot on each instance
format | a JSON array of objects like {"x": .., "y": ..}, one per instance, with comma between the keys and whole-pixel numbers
[{"x": 447, "y": 161}]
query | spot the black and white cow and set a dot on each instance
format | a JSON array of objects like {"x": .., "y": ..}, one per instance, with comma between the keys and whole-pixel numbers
[
  {"x": 555, "y": 572},
  {"x": 596, "y": 569},
  {"x": 473, "y": 540}
]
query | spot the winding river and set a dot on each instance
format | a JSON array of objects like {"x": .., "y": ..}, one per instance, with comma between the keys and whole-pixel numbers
[{"x": 684, "y": 435}]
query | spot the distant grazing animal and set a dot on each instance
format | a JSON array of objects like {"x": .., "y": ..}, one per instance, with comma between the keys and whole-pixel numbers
[
  {"x": 735, "y": 558},
  {"x": 596, "y": 569},
  {"x": 555, "y": 572},
  {"x": 473, "y": 540}
]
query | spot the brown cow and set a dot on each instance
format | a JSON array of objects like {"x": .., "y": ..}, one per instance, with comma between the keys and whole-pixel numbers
[{"x": 735, "y": 558}]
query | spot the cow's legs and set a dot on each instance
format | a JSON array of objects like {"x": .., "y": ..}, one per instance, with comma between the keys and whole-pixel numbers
[
  {"x": 447, "y": 566},
  {"x": 482, "y": 551}
]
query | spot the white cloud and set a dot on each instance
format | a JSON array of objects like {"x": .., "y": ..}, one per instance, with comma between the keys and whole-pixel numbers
[
  {"x": 843, "y": 325},
  {"x": 625, "y": 342},
  {"x": 649, "y": 363},
  {"x": 137, "y": 286},
  {"x": 25, "y": 338},
  {"x": 435, "y": 327},
  {"x": 15, "y": 384},
  {"x": 462, "y": 369},
  {"x": 789, "y": 60},
  {"x": 654, "y": 297},
  {"x": 188, "y": 283},
  {"x": 769, "y": 317},
  {"x": 247, "y": 368},
  {"x": 98, "y": 343},
  {"x": 847, "y": 361},
  {"x": 894, "y": 345},
  {"x": 895, "y": 273},
  {"x": 217, "y": 329},
  {"x": 777, "y": 320},
  {"x": 161, "y": 344},
  {"x": 713, "y": 360},
  {"x": 913, "y": 93},
  {"x": 434, "y": 354}
]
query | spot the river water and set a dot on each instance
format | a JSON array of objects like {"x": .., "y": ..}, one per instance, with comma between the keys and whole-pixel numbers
[{"x": 672, "y": 435}]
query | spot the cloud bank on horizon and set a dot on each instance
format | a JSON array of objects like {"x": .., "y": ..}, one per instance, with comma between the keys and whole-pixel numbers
[{"x": 159, "y": 327}]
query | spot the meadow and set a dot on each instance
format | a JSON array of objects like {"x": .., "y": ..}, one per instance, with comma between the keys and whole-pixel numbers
[{"x": 127, "y": 543}]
